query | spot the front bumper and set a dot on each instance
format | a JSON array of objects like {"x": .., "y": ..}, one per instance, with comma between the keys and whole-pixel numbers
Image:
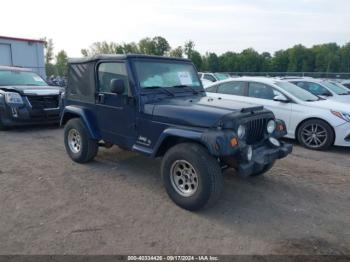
[
  {"x": 262, "y": 156},
  {"x": 342, "y": 135},
  {"x": 24, "y": 115}
]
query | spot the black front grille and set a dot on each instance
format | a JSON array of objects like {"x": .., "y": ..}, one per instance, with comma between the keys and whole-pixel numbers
[
  {"x": 42, "y": 102},
  {"x": 255, "y": 130}
]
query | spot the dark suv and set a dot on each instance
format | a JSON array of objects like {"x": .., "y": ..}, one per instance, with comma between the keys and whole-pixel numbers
[
  {"x": 157, "y": 106},
  {"x": 25, "y": 98}
]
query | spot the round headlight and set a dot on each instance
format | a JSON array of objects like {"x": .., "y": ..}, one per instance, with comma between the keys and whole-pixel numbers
[
  {"x": 271, "y": 126},
  {"x": 274, "y": 141},
  {"x": 241, "y": 131},
  {"x": 249, "y": 153}
]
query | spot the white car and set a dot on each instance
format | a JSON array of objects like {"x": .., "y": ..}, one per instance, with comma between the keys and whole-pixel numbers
[
  {"x": 315, "y": 122},
  {"x": 323, "y": 88},
  {"x": 213, "y": 77}
]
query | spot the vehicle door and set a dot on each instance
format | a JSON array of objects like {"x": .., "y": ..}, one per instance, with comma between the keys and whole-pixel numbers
[
  {"x": 115, "y": 112},
  {"x": 263, "y": 94},
  {"x": 230, "y": 90}
]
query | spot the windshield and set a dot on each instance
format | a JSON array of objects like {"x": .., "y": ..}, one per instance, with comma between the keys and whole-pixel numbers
[
  {"x": 336, "y": 89},
  {"x": 297, "y": 91},
  {"x": 166, "y": 74},
  {"x": 222, "y": 76},
  {"x": 20, "y": 78}
]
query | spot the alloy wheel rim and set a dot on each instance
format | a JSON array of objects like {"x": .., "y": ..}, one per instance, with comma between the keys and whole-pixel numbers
[
  {"x": 74, "y": 141},
  {"x": 314, "y": 135},
  {"x": 184, "y": 178}
]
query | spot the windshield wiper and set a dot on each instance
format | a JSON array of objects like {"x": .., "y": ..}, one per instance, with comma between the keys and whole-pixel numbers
[
  {"x": 190, "y": 87},
  {"x": 160, "y": 88},
  {"x": 343, "y": 94}
]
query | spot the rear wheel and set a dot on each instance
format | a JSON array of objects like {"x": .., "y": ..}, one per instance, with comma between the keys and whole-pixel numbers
[
  {"x": 192, "y": 178},
  {"x": 79, "y": 146},
  {"x": 315, "y": 134}
]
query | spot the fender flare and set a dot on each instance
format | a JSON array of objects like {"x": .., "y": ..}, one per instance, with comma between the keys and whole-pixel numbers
[
  {"x": 70, "y": 112},
  {"x": 176, "y": 132}
]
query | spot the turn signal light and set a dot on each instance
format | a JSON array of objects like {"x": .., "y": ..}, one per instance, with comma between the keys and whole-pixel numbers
[
  {"x": 280, "y": 127},
  {"x": 233, "y": 142}
]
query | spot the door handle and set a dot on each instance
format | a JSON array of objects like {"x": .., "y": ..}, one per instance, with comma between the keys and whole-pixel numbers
[{"x": 101, "y": 98}]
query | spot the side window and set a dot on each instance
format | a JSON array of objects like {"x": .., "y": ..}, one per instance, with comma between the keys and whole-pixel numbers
[
  {"x": 212, "y": 89},
  {"x": 313, "y": 88},
  {"x": 262, "y": 91},
  {"x": 232, "y": 88},
  {"x": 107, "y": 72},
  {"x": 209, "y": 77}
]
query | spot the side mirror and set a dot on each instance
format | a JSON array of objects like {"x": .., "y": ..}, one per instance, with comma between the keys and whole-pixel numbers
[
  {"x": 281, "y": 98},
  {"x": 117, "y": 86}
]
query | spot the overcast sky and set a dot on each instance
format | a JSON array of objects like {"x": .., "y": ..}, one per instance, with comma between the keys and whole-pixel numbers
[{"x": 216, "y": 26}]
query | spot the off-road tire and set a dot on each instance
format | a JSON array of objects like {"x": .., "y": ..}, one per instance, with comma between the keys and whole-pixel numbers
[
  {"x": 207, "y": 170},
  {"x": 325, "y": 126},
  {"x": 265, "y": 169},
  {"x": 89, "y": 147}
]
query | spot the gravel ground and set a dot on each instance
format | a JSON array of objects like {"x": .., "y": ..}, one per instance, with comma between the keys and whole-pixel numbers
[{"x": 117, "y": 204}]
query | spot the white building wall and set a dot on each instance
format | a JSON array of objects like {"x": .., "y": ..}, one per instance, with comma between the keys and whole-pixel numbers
[{"x": 26, "y": 54}]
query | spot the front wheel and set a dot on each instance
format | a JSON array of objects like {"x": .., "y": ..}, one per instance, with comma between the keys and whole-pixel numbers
[
  {"x": 315, "y": 134},
  {"x": 79, "y": 146},
  {"x": 192, "y": 177}
]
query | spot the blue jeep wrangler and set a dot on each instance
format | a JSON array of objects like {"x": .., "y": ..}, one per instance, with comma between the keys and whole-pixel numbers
[{"x": 157, "y": 106}]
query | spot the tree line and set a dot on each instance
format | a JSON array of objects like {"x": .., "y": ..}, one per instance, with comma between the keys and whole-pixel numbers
[{"x": 329, "y": 57}]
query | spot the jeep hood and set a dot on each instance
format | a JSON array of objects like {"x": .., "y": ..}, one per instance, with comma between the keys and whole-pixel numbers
[
  {"x": 196, "y": 111},
  {"x": 33, "y": 90}
]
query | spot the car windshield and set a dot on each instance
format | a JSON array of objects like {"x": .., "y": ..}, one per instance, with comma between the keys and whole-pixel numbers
[
  {"x": 221, "y": 76},
  {"x": 20, "y": 78},
  {"x": 336, "y": 89},
  {"x": 297, "y": 91},
  {"x": 166, "y": 74}
]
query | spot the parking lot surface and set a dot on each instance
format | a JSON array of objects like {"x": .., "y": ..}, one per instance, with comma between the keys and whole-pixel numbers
[{"x": 117, "y": 204}]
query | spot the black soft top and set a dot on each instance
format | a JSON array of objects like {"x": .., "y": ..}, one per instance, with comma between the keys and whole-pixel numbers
[{"x": 121, "y": 57}]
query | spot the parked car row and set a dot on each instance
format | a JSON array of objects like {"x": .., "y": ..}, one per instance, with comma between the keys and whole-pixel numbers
[{"x": 316, "y": 112}]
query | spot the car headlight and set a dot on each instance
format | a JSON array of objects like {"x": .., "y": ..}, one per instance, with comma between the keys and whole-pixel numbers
[
  {"x": 341, "y": 115},
  {"x": 13, "y": 98},
  {"x": 271, "y": 126},
  {"x": 241, "y": 131}
]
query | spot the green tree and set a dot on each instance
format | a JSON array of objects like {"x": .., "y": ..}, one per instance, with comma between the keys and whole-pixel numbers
[
  {"x": 49, "y": 67},
  {"x": 161, "y": 45},
  {"x": 250, "y": 61},
  {"x": 213, "y": 62},
  {"x": 229, "y": 62},
  {"x": 147, "y": 46},
  {"x": 189, "y": 48},
  {"x": 62, "y": 63},
  {"x": 176, "y": 52},
  {"x": 197, "y": 59},
  {"x": 100, "y": 48},
  {"x": 280, "y": 61},
  {"x": 344, "y": 54}
]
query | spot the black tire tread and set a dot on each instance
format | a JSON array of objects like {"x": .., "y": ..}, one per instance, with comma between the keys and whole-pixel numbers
[
  {"x": 90, "y": 150},
  {"x": 211, "y": 165}
]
